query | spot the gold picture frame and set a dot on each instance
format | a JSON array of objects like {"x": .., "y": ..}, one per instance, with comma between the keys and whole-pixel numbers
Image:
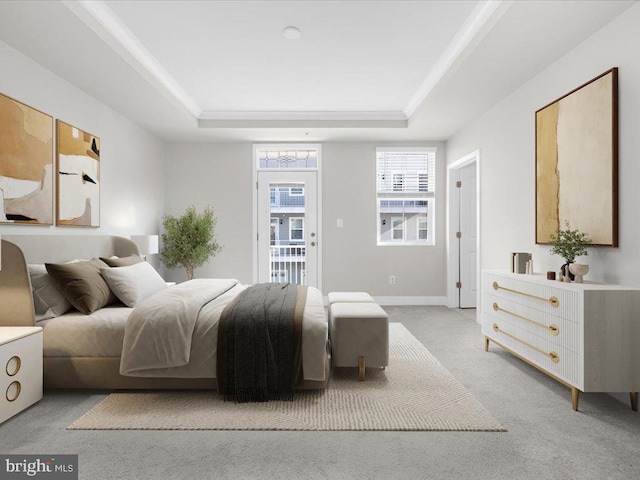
[
  {"x": 26, "y": 164},
  {"x": 577, "y": 162},
  {"x": 78, "y": 177}
]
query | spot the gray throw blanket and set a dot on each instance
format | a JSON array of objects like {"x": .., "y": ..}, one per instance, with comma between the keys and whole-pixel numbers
[{"x": 259, "y": 343}]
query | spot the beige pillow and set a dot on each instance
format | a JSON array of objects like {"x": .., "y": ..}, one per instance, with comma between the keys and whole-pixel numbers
[
  {"x": 122, "y": 261},
  {"x": 82, "y": 285},
  {"x": 134, "y": 283},
  {"x": 48, "y": 300}
]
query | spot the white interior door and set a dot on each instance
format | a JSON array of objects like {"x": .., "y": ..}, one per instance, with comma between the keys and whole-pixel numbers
[
  {"x": 469, "y": 236},
  {"x": 287, "y": 215}
]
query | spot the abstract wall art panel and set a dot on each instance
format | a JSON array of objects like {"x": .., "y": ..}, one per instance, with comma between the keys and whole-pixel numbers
[
  {"x": 577, "y": 162},
  {"x": 26, "y": 164},
  {"x": 78, "y": 177}
]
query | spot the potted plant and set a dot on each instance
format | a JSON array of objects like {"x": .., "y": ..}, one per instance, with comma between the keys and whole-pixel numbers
[
  {"x": 569, "y": 244},
  {"x": 189, "y": 241}
]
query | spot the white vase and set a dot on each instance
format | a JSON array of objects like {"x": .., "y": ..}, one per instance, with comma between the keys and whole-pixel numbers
[{"x": 579, "y": 270}]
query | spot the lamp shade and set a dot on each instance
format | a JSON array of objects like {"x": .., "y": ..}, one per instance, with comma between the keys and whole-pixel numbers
[{"x": 147, "y": 244}]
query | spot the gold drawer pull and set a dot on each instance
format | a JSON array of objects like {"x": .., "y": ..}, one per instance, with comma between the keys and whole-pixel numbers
[
  {"x": 552, "y": 355},
  {"x": 13, "y": 391},
  {"x": 13, "y": 366},
  {"x": 552, "y": 300},
  {"x": 554, "y": 328}
]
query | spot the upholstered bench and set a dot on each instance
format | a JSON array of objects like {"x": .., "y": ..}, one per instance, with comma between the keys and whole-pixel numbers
[
  {"x": 350, "y": 297},
  {"x": 359, "y": 335}
]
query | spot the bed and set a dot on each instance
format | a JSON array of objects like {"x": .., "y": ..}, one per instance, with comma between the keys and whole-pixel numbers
[{"x": 84, "y": 351}]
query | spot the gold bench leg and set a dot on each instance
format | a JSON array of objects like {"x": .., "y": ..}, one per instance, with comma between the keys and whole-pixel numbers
[
  {"x": 634, "y": 401},
  {"x": 575, "y": 396},
  {"x": 361, "y": 368},
  {"x": 486, "y": 344}
]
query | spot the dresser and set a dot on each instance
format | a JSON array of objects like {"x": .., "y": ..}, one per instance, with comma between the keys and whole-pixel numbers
[
  {"x": 20, "y": 369},
  {"x": 584, "y": 335}
]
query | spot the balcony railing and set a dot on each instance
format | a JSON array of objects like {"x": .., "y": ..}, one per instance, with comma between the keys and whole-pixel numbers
[{"x": 287, "y": 264}]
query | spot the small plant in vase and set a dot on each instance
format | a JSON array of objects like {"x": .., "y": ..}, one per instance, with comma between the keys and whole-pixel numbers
[{"x": 569, "y": 244}]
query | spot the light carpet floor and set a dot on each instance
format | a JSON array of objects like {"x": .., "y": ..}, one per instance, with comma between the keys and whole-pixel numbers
[{"x": 415, "y": 393}]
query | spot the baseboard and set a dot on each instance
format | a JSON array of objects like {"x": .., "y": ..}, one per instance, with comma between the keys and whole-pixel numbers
[
  {"x": 417, "y": 300},
  {"x": 407, "y": 301}
]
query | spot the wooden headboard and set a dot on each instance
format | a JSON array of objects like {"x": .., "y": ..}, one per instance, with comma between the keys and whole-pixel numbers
[{"x": 16, "y": 302}]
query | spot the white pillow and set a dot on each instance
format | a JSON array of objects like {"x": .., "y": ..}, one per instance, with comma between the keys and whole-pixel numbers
[
  {"x": 134, "y": 283},
  {"x": 48, "y": 300}
]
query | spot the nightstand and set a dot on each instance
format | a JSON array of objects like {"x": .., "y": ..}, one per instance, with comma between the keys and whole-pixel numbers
[{"x": 20, "y": 369}]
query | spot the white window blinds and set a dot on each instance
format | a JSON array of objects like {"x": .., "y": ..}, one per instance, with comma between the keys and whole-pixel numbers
[
  {"x": 405, "y": 195},
  {"x": 411, "y": 172}
]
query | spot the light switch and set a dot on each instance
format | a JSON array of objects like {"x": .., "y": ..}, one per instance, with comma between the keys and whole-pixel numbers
[{"x": 340, "y": 223}]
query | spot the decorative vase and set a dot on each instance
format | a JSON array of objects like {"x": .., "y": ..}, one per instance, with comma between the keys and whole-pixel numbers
[
  {"x": 566, "y": 270},
  {"x": 579, "y": 270}
]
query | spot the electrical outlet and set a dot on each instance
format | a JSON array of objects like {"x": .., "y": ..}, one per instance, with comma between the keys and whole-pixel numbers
[{"x": 392, "y": 279}]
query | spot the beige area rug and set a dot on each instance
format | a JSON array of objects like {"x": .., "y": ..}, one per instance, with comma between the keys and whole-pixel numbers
[{"x": 414, "y": 393}]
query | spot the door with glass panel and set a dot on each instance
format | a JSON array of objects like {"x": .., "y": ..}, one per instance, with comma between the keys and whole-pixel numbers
[{"x": 287, "y": 227}]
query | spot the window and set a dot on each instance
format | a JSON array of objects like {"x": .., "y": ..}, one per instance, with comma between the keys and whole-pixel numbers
[
  {"x": 398, "y": 182},
  {"x": 397, "y": 227},
  {"x": 405, "y": 195},
  {"x": 423, "y": 228},
  {"x": 296, "y": 228},
  {"x": 275, "y": 231},
  {"x": 273, "y": 157},
  {"x": 272, "y": 196}
]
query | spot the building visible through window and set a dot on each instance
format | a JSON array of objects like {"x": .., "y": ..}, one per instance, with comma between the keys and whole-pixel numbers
[{"x": 405, "y": 196}]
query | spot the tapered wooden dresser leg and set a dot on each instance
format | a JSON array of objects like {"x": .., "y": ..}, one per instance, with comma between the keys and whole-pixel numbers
[
  {"x": 361, "y": 368},
  {"x": 575, "y": 396},
  {"x": 634, "y": 401},
  {"x": 486, "y": 344}
]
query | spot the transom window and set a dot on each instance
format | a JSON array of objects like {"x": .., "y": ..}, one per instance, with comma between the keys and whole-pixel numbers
[
  {"x": 298, "y": 158},
  {"x": 405, "y": 197}
]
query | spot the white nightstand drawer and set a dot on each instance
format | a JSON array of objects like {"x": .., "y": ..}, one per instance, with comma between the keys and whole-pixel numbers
[{"x": 20, "y": 373}]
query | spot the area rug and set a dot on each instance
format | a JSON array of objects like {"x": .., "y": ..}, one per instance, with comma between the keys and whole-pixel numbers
[{"x": 414, "y": 393}]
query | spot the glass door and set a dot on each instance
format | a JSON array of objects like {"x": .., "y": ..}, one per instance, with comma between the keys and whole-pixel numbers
[{"x": 287, "y": 227}]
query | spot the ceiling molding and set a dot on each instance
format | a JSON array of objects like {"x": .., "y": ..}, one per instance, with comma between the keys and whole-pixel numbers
[
  {"x": 479, "y": 17},
  {"x": 97, "y": 15},
  {"x": 303, "y": 119}
]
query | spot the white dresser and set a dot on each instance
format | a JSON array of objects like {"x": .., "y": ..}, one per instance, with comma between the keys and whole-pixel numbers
[
  {"x": 584, "y": 335},
  {"x": 20, "y": 369}
]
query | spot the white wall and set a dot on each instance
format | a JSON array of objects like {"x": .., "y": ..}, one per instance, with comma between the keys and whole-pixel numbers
[
  {"x": 505, "y": 136},
  {"x": 221, "y": 175},
  {"x": 131, "y": 159}
]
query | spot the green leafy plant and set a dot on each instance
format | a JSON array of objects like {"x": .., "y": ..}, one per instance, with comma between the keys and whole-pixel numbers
[
  {"x": 189, "y": 241},
  {"x": 569, "y": 243}
]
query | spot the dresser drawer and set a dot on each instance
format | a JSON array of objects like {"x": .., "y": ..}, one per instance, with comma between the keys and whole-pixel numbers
[
  {"x": 546, "y": 298},
  {"x": 568, "y": 364},
  {"x": 555, "y": 330},
  {"x": 20, "y": 374}
]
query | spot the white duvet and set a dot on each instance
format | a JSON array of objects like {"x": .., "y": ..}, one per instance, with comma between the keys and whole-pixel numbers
[{"x": 174, "y": 333}]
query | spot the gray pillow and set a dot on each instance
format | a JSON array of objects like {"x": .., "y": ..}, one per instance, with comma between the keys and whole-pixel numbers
[
  {"x": 48, "y": 300},
  {"x": 134, "y": 283},
  {"x": 122, "y": 261},
  {"x": 82, "y": 285}
]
